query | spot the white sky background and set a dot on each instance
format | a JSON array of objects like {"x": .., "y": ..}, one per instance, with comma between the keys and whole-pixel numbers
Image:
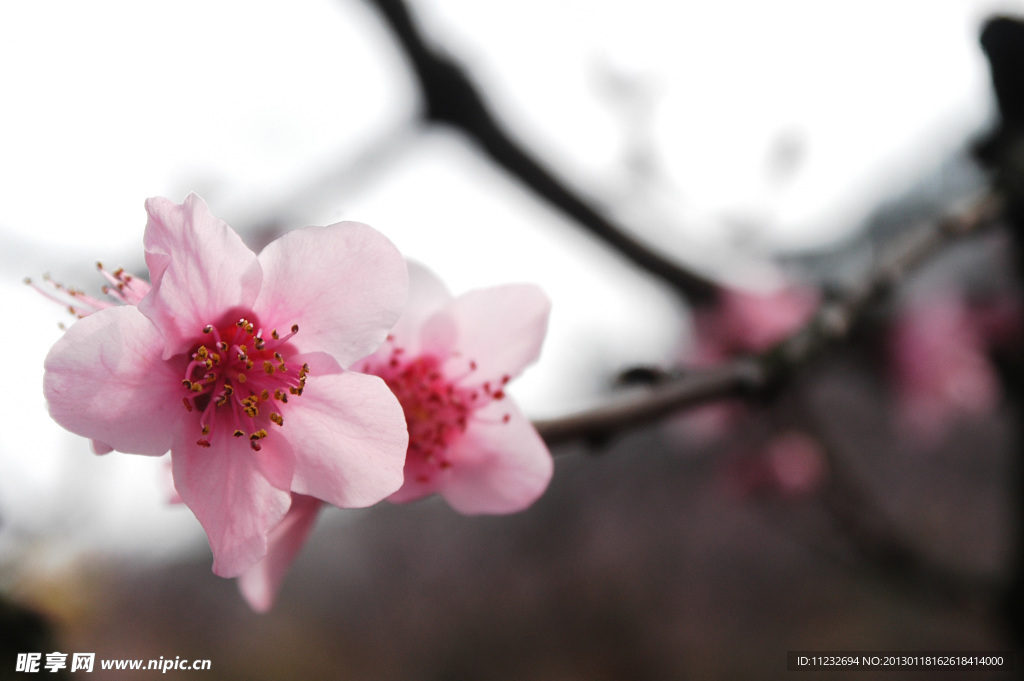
[{"x": 264, "y": 109}]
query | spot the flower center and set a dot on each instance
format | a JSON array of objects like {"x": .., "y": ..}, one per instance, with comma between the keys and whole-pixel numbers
[
  {"x": 437, "y": 408},
  {"x": 238, "y": 379}
]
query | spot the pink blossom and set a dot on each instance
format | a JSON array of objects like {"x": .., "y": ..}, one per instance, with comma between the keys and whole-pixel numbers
[
  {"x": 236, "y": 364},
  {"x": 743, "y": 322},
  {"x": 740, "y": 323},
  {"x": 791, "y": 464},
  {"x": 448, "y": 361},
  {"x": 938, "y": 352}
]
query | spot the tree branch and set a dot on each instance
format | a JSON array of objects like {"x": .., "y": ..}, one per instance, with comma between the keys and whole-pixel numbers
[
  {"x": 450, "y": 97},
  {"x": 856, "y": 515},
  {"x": 771, "y": 370}
]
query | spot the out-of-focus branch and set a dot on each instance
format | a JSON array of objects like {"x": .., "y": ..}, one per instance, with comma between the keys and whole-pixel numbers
[
  {"x": 879, "y": 544},
  {"x": 450, "y": 97},
  {"x": 761, "y": 374},
  {"x": 1003, "y": 42}
]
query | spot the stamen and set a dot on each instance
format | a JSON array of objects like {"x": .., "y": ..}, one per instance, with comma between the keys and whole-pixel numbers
[
  {"x": 438, "y": 406},
  {"x": 231, "y": 360}
]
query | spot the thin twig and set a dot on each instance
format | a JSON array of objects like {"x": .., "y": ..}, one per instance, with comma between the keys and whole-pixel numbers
[
  {"x": 759, "y": 374},
  {"x": 450, "y": 97}
]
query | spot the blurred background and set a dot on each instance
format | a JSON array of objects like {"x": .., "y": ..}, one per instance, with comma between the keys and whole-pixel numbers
[{"x": 774, "y": 148}]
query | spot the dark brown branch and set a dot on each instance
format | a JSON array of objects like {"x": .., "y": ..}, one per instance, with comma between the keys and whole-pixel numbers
[
  {"x": 450, "y": 97},
  {"x": 636, "y": 410},
  {"x": 760, "y": 374}
]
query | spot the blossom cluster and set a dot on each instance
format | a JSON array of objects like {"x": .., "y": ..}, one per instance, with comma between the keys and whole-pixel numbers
[
  {"x": 940, "y": 351},
  {"x": 325, "y": 370}
]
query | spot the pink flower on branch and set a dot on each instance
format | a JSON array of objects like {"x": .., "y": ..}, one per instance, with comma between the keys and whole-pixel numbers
[
  {"x": 941, "y": 368},
  {"x": 744, "y": 322},
  {"x": 740, "y": 323},
  {"x": 236, "y": 363},
  {"x": 448, "y": 361}
]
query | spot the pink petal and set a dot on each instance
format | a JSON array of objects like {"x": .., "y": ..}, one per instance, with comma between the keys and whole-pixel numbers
[
  {"x": 200, "y": 271},
  {"x": 101, "y": 448},
  {"x": 350, "y": 439},
  {"x": 166, "y": 482},
  {"x": 344, "y": 285},
  {"x": 497, "y": 467},
  {"x": 501, "y": 328},
  {"x": 260, "y": 583},
  {"x": 105, "y": 381},
  {"x": 427, "y": 295},
  {"x": 237, "y": 494},
  {"x": 414, "y": 490}
]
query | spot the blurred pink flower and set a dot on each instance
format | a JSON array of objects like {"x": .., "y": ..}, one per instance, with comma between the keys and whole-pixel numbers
[
  {"x": 938, "y": 352},
  {"x": 792, "y": 465},
  {"x": 448, "y": 361},
  {"x": 743, "y": 322},
  {"x": 236, "y": 364}
]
